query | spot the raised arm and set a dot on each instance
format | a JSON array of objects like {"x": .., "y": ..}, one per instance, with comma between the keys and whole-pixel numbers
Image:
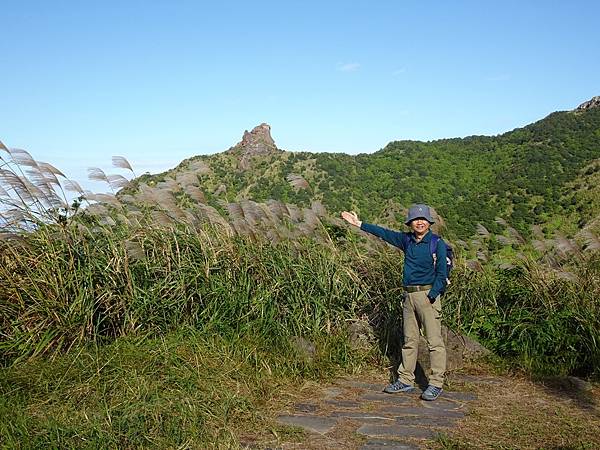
[{"x": 390, "y": 236}]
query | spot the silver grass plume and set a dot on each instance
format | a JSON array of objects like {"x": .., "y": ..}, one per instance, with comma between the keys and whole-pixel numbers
[
  {"x": 21, "y": 157},
  {"x": 537, "y": 232},
  {"x": 97, "y": 209},
  {"x": 297, "y": 181},
  {"x": 162, "y": 219},
  {"x": 220, "y": 190},
  {"x": 241, "y": 227},
  {"x": 591, "y": 241},
  {"x": 135, "y": 218},
  {"x": 49, "y": 175},
  {"x": 13, "y": 216},
  {"x": 117, "y": 181},
  {"x": 73, "y": 186},
  {"x": 566, "y": 275},
  {"x": 462, "y": 244},
  {"x": 122, "y": 163},
  {"x": 501, "y": 221},
  {"x": 83, "y": 229},
  {"x": 17, "y": 184},
  {"x": 167, "y": 201},
  {"x": 212, "y": 216},
  {"x": 40, "y": 187},
  {"x": 187, "y": 179},
  {"x": 104, "y": 198},
  {"x": 195, "y": 193},
  {"x": 127, "y": 198},
  {"x": 474, "y": 265},
  {"x": 318, "y": 208},
  {"x": 96, "y": 174},
  {"x": 268, "y": 216},
  {"x": 277, "y": 208},
  {"x": 540, "y": 245},
  {"x": 123, "y": 219},
  {"x": 252, "y": 212},
  {"x": 146, "y": 194},
  {"x": 482, "y": 231},
  {"x": 7, "y": 235},
  {"x": 107, "y": 220},
  {"x": 294, "y": 213},
  {"x": 475, "y": 243},
  {"x": 191, "y": 219},
  {"x": 515, "y": 235},
  {"x": 564, "y": 245},
  {"x": 310, "y": 218},
  {"x": 169, "y": 184},
  {"x": 504, "y": 240},
  {"x": 199, "y": 167},
  {"x": 273, "y": 236},
  {"x": 235, "y": 211}
]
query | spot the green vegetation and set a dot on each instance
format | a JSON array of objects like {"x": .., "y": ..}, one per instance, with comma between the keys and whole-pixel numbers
[
  {"x": 187, "y": 389},
  {"x": 176, "y": 314},
  {"x": 523, "y": 176}
]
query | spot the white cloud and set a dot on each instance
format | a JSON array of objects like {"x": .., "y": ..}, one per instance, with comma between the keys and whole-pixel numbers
[
  {"x": 348, "y": 67},
  {"x": 399, "y": 71}
]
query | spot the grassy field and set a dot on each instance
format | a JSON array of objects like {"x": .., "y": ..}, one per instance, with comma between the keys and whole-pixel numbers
[
  {"x": 169, "y": 324},
  {"x": 189, "y": 389}
]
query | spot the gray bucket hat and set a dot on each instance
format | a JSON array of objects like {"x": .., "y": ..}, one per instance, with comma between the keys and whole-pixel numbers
[{"x": 419, "y": 212}]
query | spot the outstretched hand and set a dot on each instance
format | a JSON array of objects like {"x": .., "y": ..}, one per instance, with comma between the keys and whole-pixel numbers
[{"x": 351, "y": 218}]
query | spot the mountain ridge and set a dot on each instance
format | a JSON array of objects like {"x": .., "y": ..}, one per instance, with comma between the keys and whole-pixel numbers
[{"x": 520, "y": 175}]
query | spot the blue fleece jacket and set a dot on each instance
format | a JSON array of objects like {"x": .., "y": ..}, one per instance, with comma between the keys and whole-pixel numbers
[{"x": 418, "y": 261}]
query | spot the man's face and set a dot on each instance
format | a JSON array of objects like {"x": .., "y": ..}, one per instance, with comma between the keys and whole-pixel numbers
[{"x": 419, "y": 226}]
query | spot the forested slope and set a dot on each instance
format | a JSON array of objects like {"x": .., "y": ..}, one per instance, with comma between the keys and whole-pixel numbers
[{"x": 524, "y": 176}]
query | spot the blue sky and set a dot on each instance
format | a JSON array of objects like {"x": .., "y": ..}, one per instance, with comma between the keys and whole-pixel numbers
[{"x": 160, "y": 81}]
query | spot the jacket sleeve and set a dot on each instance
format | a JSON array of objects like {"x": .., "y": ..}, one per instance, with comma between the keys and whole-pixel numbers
[
  {"x": 389, "y": 236},
  {"x": 439, "y": 282}
]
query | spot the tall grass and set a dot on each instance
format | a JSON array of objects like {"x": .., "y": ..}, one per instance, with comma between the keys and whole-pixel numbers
[
  {"x": 158, "y": 258},
  {"x": 542, "y": 311},
  {"x": 188, "y": 389},
  {"x": 187, "y": 298}
]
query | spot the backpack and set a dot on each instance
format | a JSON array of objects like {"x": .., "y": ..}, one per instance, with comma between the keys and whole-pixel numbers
[{"x": 433, "y": 250}]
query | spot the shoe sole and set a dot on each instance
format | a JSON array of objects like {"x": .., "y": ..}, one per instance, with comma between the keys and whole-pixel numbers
[
  {"x": 402, "y": 391},
  {"x": 430, "y": 399}
]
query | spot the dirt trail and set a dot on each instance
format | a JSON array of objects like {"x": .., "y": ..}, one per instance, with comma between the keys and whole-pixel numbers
[
  {"x": 355, "y": 414},
  {"x": 479, "y": 410}
]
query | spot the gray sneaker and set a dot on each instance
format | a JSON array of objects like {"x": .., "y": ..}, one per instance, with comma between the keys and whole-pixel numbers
[
  {"x": 398, "y": 386},
  {"x": 431, "y": 393}
]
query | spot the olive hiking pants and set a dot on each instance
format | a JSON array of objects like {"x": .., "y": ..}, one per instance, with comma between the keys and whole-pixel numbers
[{"x": 419, "y": 312}]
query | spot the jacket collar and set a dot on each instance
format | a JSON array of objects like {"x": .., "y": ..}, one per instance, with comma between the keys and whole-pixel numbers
[{"x": 426, "y": 238}]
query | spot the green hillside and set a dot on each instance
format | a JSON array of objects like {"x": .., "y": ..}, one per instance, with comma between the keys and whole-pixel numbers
[
  {"x": 524, "y": 176},
  {"x": 176, "y": 312}
]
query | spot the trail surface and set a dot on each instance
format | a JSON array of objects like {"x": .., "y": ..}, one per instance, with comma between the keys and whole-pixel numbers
[{"x": 354, "y": 413}]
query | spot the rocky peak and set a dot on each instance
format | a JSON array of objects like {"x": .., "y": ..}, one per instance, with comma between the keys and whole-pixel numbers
[
  {"x": 594, "y": 102},
  {"x": 259, "y": 139},
  {"x": 254, "y": 143}
]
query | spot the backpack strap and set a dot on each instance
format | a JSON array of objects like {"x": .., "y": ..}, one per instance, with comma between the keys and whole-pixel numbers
[{"x": 433, "y": 247}]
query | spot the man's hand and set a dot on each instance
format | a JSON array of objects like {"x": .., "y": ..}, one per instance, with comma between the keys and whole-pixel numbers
[{"x": 351, "y": 218}]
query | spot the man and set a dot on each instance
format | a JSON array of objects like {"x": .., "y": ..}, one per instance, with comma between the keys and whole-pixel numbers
[{"x": 424, "y": 280}]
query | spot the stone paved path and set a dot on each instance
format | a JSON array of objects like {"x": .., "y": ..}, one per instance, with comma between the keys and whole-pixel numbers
[{"x": 358, "y": 415}]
